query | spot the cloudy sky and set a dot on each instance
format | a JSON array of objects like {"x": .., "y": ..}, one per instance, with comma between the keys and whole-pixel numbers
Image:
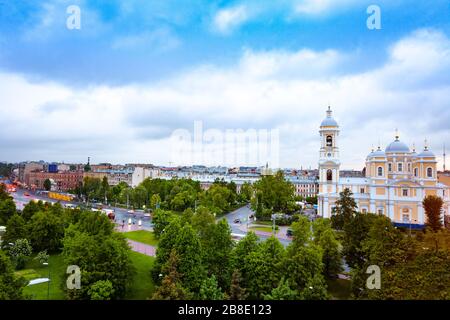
[{"x": 139, "y": 71}]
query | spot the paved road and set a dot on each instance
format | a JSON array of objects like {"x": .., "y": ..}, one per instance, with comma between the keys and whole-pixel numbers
[
  {"x": 123, "y": 216},
  {"x": 243, "y": 215},
  {"x": 120, "y": 213}
]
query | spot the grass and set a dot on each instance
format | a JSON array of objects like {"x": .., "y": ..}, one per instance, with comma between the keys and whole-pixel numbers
[
  {"x": 143, "y": 286},
  {"x": 263, "y": 229},
  {"x": 339, "y": 289},
  {"x": 142, "y": 236},
  {"x": 35, "y": 270}
]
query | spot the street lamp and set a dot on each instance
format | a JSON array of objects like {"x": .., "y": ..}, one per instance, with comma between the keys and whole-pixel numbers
[{"x": 48, "y": 283}]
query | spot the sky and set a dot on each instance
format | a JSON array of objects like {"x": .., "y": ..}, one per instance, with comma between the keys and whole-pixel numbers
[{"x": 137, "y": 73}]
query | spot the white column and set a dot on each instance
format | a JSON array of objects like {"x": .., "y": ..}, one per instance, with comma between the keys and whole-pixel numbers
[
  {"x": 372, "y": 206},
  {"x": 325, "y": 209},
  {"x": 420, "y": 213}
]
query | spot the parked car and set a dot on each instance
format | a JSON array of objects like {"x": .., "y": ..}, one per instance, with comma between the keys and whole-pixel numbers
[
  {"x": 237, "y": 221},
  {"x": 289, "y": 233}
]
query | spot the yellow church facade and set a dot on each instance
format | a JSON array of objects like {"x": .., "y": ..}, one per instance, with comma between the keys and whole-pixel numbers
[{"x": 396, "y": 182}]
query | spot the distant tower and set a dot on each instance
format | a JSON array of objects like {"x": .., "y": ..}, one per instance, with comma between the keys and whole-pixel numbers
[
  {"x": 444, "y": 157},
  {"x": 329, "y": 162},
  {"x": 87, "y": 167}
]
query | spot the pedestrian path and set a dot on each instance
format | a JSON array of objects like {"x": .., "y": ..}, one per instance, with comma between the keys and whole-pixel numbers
[
  {"x": 142, "y": 248},
  {"x": 137, "y": 246}
]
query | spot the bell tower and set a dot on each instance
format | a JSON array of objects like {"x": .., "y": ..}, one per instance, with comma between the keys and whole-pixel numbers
[{"x": 329, "y": 162}]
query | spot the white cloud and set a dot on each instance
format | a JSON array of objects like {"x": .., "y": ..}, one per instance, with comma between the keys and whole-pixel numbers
[
  {"x": 281, "y": 90},
  {"x": 227, "y": 20}
]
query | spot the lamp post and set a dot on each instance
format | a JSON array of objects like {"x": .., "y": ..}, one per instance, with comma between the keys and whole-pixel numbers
[{"x": 48, "y": 283}]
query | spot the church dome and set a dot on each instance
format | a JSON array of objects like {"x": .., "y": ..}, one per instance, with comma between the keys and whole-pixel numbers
[
  {"x": 377, "y": 153},
  {"x": 397, "y": 147},
  {"x": 329, "y": 120},
  {"x": 426, "y": 153}
]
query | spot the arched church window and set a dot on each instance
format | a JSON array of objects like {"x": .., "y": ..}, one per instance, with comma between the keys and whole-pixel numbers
[
  {"x": 329, "y": 141},
  {"x": 329, "y": 175},
  {"x": 380, "y": 171},
  {"x": 429, "y": 172}
]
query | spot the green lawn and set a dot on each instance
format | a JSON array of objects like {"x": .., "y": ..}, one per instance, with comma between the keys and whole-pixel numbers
[
  {"x": 35, "y": 270},
  {"x": 339, "y": 289},
  {"x": 263, "y": 229},
  {"x": 142, "y": 236},
  {"x": 143, "y": 286}
]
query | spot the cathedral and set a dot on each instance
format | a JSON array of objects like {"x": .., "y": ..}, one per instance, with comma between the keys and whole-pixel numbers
[{"x": 395, "y": 183}]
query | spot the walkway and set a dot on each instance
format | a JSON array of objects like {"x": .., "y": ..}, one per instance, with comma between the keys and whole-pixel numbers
[
  {"x": 142, "y": 248},
  {"x": 137, "y": 246}
]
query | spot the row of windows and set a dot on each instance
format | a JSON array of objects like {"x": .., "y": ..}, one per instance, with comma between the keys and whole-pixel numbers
[{"x": 400, "y": 169}]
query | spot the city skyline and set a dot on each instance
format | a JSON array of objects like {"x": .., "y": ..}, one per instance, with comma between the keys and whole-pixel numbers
[{"x": 117, "y": 88}]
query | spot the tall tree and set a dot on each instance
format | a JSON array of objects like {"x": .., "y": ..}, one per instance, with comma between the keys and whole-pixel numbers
[
  {"x": 46, "y": 231},
  {"x": 171, "y": 287},
  {"x": 47, "y": 184},
  {"x": 15, "y": 229},
  {"x": 263, "y": 268},
  {"x": 282, "y": 292},
  {"x": 11, "y": 287},
  {"x": 191, "y": 266},
  {"x": 344, "y": 210},
  {"x": 7, "y": 210},
  {"x": 218, "y": 252},
  {"x": 433, "y": 208},
  {"x": 210, "y": 290},
  {"x": 237, "y": 292}
]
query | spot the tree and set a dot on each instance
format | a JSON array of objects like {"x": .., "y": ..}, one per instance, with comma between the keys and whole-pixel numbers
[
  {"x": 101, "y": 290},
  {"x": 217, "y": 249},
  {"x": 325, "y": 238},
  {"x": 345, "y": 208},
  {"x": 161, "y": 219},
  {"x": 47, "y": 184},
  {"x": 202, "y": 221},
  {"x": 331, "y": 256},
  {"x": 7, "y": 210},
  {"x": 140, "y": 196},
  {"x": 46, "y": 231},
  {"x": 155, "y": 200},
  {"x": 101, "y": 254},
  {"x": 282, "y": 292},
  {"x": 355, "y": 232},
  {"x": 433, "y": 207},
  {"x": 246, "y": 192},
  {"x": 32, "y": 208},
  {"x": 190, "y": 253},
  {"x": 15, "y": 229},
  {"x": 237, "y": 292},
  {"x": 11, "y": 287},
  {"x": 241, "y": 253},
  {"x": 20, "y": 251},
  {"x": 274, "y": 192},
  {"x": 171, "y": 288},
  {"x": 304, "y": 264},
  {"x": 263, "y": 268},
  {"x": 209, "y": 290},
  {"x": 315, "y": 289},
  {"x": 301, "y": 230},
  {"x": 42, "y": 257}
]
